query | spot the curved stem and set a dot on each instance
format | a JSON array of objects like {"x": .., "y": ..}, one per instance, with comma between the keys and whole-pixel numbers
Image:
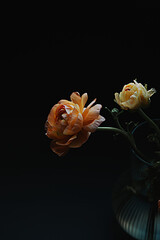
[
  {"x": 129, "y": 138},
  {"x": 113, "y": 129},
  {"x": 115, "y": 117},
  {"x": 152, "y": 123},
  {"x": 118, "y": 123},
  {"x": 117, "y": 120}
]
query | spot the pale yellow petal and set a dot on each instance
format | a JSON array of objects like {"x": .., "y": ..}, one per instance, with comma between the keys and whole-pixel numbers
[
  {"x": 117, "y": 99},
  {"x": 130, "y": 104},
  {"x": 151, "y": 92},
  {"x": 135, "y": 81}
]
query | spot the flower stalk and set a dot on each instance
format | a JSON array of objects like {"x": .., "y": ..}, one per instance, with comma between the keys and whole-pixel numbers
[
  {"x": 150, "y": 121},
  {"x": 115, "y": 113},
  {"x": 129, "y": 138}
]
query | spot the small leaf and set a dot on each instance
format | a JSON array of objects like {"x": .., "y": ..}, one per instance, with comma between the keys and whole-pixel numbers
[{"x": 115, "y": 111}]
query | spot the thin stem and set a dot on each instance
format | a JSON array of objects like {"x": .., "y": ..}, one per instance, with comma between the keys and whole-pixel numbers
[
  {"x": 152, "y": 123},
  {"x": 117, "y": 120},
  {"x": 120, "y": 113},
  {"x": 113, "y": 129},
  {"x": 129, "y": 138},
  {"x": 115, "y": 117},
  {"x": 118, "y": 123}
]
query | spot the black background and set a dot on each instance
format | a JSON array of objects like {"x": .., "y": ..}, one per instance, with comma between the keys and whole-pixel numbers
[{"x": 44, "y": 196}]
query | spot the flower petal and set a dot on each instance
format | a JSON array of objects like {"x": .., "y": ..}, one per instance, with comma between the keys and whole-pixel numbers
[
  {"x": 117, "y": 98},
  {"x": 75, "y": 98},
  {"x": 132, "y": 103},
  {"x": 93, "y": 114},
  {"x": 65, "y": 102},
  {"x": 75, "y": 122},
  {"x": 53, "y": 132},
  {"x": 151, "y": 91},
  {"x": 90, "y": 105},
  {"x": 84, "y": 99},
  {"x": 50, "y": 131},
  {"x": 95, "y": 124},
  {"x": 52, "y": 114},
  {"x": 67, "y": 141},
  {"x": 82, "y": 137},
  {"x": 86, "y": 110},
  {"x": 59, "y": 150}
]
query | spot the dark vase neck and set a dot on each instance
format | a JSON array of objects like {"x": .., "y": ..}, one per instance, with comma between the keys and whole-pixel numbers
[{"x": 141, "y": 133}]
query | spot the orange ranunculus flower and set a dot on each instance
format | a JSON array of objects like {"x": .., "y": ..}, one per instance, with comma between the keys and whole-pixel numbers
[
  {"x": 69, "y": 123},
  {"x": 134, "y": 95}
]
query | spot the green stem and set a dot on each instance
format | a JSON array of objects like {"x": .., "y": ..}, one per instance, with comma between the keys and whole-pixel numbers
[
  {"x": 152, "y": 123},
  {"x": 118, "y": 123},
  {"x": 128, "y": 137},
  {"x": 113, "y": 129},
  {"x": 115, "y": 117}
]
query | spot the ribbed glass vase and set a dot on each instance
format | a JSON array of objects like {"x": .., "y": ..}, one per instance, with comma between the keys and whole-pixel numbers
[{"x": 136, "y": 194}]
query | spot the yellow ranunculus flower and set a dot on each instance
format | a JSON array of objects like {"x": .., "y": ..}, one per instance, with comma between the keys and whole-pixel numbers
[{"x": 133, "y": 96}]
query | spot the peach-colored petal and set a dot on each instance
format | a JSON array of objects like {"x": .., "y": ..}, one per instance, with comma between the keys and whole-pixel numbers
[
  {"x": 59, "y": 150},
  {"x": 65, "y": 102},
  {"x": 84, "y": 99},
  {"x": 51, "y": 132},
  {"x": 90, "y": 105},
  {"x": 75, "y": 98},
  {"x": 68, "y": 105},
  {"x": 75, "y": 127},
  {"x": 68, "y": 109},
  {"x": 75, "y": 122},
  {"x": 52, "y": 114},
  {"x": 93, "y": 114},
  {"x": 95, "y": 124},
  {"x": 82, "y": 137},
  {"x": 67, "y": 141},
  {"x": 85, "y": 112}
]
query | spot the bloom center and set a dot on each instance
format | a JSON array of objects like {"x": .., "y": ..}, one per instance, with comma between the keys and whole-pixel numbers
[
  {"x": 60, "y": 112},
  {"x": 127, "y": 89}
]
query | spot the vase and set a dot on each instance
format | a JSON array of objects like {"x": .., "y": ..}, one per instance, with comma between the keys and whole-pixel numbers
[{"x": 137, "y": 191}]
